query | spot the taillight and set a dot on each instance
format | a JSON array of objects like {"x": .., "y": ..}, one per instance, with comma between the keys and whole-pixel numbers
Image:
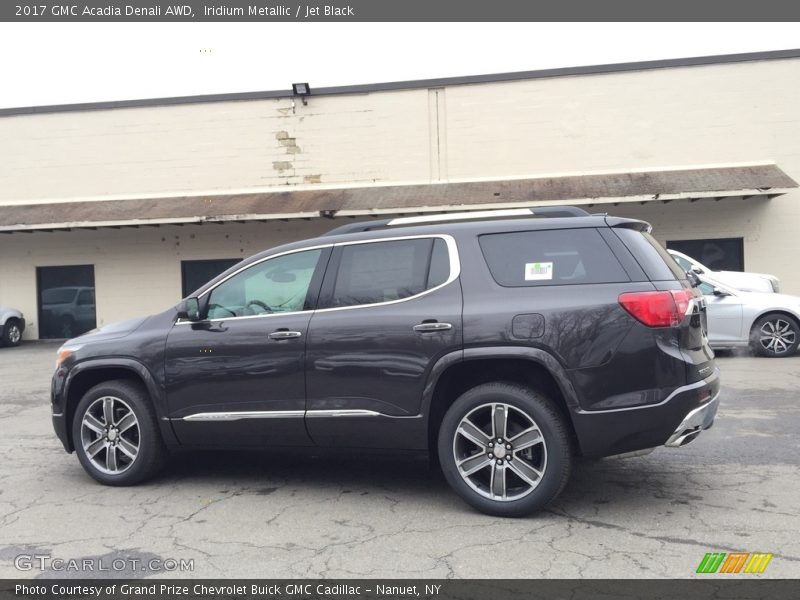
[{"x": 657, "y": 309}]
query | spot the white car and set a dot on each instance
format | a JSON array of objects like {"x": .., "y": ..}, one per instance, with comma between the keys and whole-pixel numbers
[
  {"x": 767, "y": 322},
  {"x": 747, "y": 282},
  {"x": 12, "y": 324}
]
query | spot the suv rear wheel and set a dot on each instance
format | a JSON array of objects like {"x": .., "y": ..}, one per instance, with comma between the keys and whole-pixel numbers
[
  {"x": 115, "y": 434},
  {"x": 505, "y": 449}
]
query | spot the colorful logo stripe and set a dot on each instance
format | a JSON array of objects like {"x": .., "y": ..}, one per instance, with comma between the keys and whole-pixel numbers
[{"x": 735, "y": 562}]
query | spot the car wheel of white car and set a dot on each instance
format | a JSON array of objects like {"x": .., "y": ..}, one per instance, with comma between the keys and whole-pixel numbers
[
  {"x": 775, "y": 335},
  {"x": 12, "y": 334}
]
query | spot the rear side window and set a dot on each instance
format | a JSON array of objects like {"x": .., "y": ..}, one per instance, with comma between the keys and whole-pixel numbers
[
  {"x": 552, "y": 257},
  {"x": 384, "y": 271},
  {"x": 657, "y": 263}
]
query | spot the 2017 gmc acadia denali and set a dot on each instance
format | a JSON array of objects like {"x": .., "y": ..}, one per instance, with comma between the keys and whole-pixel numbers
[{"x": 503, "y": 344}]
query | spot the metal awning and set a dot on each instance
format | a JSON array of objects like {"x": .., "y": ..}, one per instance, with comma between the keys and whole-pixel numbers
[{"x": 581, "y": 189}]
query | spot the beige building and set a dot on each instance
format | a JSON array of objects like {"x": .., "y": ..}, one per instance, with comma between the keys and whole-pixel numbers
[{"x": 112, "y": 210}]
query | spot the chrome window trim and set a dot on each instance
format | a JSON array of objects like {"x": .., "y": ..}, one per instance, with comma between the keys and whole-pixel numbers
[
  {"x": 452, "y": 252},
  {"x": 455, "y": 268}
]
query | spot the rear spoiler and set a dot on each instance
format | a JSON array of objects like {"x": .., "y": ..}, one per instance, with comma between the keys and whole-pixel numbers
[{"x": 624, "y": 223}]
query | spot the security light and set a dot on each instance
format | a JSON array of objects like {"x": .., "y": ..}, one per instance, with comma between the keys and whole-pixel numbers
[{"x": 301, "y": 89}]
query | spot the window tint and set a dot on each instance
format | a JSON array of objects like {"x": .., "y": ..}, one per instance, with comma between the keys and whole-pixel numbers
[
  {"x": 653, "y": 258},
  {"x": 384, "y": 271},
  {"x": 554, "y": 257},
  {"x": 276, "y": 285},
  {"x": 706, "y": 288},
  {"x": 440, "y": 264},
  {"x": 684, "y": 264}
]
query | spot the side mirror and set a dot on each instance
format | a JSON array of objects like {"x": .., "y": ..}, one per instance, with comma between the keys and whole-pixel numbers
[
  {"x": 719, "y": 292},
  {"x": 189, "y": 309},
  {"x": 694, "y": 280},
  {"x": 697, "y": 270}
]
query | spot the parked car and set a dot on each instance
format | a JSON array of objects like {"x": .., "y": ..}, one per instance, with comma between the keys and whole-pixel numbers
[
  {"x": 68, "y": 311},
  {"x": 768, "y": 323},
  {"x": 747, "y": 282},
  {"x": 12, "y": 325},
  {"x": 503, "y": 344}
]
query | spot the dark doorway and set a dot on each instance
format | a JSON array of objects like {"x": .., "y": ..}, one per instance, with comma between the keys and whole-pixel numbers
[
  {"x": 722, "y": 254},
  {"x": 194, "y": 273},
  {"x": 66, "y": 300}
]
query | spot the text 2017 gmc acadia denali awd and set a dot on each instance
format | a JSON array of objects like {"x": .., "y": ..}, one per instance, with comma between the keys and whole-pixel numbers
[{"x": 505, "y": 345}]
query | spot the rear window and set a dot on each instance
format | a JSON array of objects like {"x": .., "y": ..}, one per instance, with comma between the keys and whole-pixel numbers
[
  {"x": 657, "y": 263},
  {"x": 552, "y": 257}
]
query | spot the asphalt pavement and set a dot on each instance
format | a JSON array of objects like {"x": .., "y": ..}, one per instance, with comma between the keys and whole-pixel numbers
[{"x": 245, "y": 514}]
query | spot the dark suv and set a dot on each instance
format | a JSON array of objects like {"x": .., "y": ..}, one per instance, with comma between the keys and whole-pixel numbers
[{"x": 503, "y": 346}]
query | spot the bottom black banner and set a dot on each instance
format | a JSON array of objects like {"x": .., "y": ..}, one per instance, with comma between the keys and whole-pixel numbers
[{"x": 399, "y": 589}]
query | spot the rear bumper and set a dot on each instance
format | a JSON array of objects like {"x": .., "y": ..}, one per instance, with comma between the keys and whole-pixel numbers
[
  {"x": 677, "y": 420},
  {"x": 694, "y": 423}
]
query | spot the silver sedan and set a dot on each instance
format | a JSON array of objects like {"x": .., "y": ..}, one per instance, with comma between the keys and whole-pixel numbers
[{"x": 768, "y": 323}]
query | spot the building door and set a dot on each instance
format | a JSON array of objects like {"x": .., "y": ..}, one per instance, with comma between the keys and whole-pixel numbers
[
  {"x": 196, "y": 273},
  {"x": 66, "y": 301},
  {"x": 722, "y": 254}
]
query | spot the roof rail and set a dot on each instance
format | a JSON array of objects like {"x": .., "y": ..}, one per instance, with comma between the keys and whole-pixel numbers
[{"x": 542, "y": 211}]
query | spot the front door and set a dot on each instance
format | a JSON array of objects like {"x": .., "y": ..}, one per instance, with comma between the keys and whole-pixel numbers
[
  {"x": 388, "y": 310},
  {"x": 237, "y": 377},
  {"x": 724, "y": 316}
]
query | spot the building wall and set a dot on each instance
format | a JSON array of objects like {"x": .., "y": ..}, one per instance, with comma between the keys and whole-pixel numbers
[
  {"x": 692, "y": 116},
  {"x": 137, "y": 271}
]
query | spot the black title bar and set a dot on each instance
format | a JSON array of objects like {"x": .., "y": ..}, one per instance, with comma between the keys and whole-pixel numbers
[{"x": 284, "y": 11}]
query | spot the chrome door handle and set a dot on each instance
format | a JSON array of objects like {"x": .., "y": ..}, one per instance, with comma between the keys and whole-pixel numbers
[
  {"x": 284, "y": 335},
  {"x": 431, "y": 327}
]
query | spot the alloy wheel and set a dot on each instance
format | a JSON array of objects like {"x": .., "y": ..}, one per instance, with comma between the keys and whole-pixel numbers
[
  {"x": 110, "y": 435},
  {"x": 777, "y": 335},
  {"x": 500, "y": 452},
  {"x": 14, "y": 334}
]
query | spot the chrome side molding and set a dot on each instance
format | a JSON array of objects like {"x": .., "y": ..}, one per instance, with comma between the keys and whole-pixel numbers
[{"x": 279, "y": 414}]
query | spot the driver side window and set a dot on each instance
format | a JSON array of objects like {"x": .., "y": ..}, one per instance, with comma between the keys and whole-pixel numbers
[
  {"x": 277, "y": 285},
  {"x": 707, "y": 289}
]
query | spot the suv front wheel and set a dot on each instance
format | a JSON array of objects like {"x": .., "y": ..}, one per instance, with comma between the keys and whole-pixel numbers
[
  {"x": 115, "y": 434},
  {"x": 505, "y": 449}
]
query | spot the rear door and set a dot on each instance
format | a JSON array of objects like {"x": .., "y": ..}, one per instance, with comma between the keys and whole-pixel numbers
[{"x": 388, "y": 310}]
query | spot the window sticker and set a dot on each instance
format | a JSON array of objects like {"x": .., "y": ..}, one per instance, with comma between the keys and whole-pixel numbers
[{"x": 538, "y": 271}]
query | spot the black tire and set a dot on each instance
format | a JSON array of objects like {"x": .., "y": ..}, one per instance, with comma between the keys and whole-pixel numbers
[
  {"x": 785, "y": 344},
  {"x": 12, "y": 334},
  {"x": 523, "y": 402},
  {"x": 151, "y": 451}
]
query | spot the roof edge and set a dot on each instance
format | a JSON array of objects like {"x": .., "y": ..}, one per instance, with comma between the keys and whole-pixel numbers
[{"x": 415, "y": 84}]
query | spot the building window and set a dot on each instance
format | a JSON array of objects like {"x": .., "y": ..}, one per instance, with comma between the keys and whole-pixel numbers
[
  {"x": 66, "y": 301},
  {"x": 723, "y": 254},
  {"x": 196, "y": 273}
]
